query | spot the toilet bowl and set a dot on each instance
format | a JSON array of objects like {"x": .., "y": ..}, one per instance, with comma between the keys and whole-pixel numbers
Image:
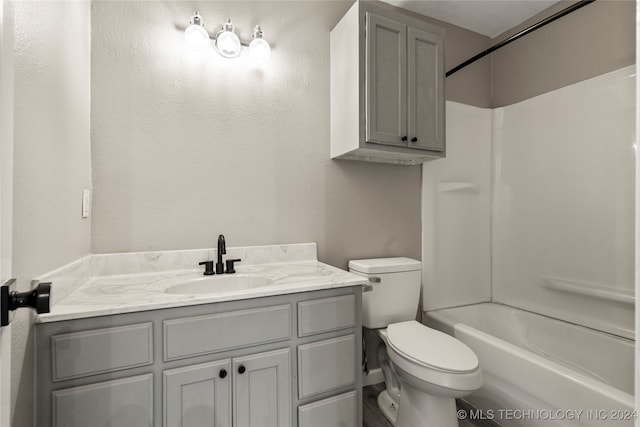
[
  {"x": 434, "y": 369},
  {"x": 431, "y": 367}
]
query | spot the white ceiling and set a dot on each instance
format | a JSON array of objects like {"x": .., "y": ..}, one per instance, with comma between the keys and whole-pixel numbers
[{"x": 488, "y": 17}]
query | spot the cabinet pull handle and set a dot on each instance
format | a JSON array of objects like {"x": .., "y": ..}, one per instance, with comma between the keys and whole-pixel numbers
[
  {"x": 414, "y": 139},
  {"x": 404, "y": 138},
  {"x": 223, "y": 373},
  {"x": 241, "y": 369}
]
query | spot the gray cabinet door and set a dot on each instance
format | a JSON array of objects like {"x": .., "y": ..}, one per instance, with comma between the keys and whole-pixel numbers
[
  {"x": 426, "y": 90},
  {"x": 262, "y": 389},
  {"x": 386, "y": 81},
  {"x": 198, "y": 395}
]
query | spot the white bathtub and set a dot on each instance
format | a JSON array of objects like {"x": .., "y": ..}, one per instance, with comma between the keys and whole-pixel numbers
[{"x": 539, "y": 371}]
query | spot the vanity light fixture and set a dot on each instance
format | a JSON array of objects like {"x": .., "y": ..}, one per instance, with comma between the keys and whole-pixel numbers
[
  {"x": 259, "y": 49},
  {"x": 195, "y": 34},
  {"x": 226, "y": 40}
]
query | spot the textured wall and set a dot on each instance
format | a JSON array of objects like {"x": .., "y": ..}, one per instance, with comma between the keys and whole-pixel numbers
[
  {"x": 186, "y": 147},
  {"x": 52, "y": 159},
  {"x": 594, "y": 40}
]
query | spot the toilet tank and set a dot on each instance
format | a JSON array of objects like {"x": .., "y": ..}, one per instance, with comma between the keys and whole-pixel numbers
[{"x": 395, "y": 290}]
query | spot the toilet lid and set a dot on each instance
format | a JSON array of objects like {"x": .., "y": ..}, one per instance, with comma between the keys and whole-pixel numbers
[{"x": 431, "y": 348}]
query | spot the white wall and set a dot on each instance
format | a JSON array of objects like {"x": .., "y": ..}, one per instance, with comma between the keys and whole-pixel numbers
[
  {"x": 637, "y": 206},
  {"x": 52, "y": 159},
  {"x": 187, "y": 147},
  {"x": 456, "y": 213},
  {"x": 6, "y": 193},
  {"x": 563, "y": 209}
]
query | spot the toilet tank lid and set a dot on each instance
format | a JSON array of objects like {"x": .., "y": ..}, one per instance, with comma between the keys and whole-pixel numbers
[{"x": 384, "y": 265}]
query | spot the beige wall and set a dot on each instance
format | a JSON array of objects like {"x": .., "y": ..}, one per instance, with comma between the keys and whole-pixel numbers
[
  {"x": 472, "y": 85},
  {"x": 589, "y": 42},
  {"x": 52, "y": 159},
  {"x": 186, "y": 148}
]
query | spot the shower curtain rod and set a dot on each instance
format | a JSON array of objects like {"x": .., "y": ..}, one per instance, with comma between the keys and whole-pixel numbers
[{"x": 524, "y": 32}]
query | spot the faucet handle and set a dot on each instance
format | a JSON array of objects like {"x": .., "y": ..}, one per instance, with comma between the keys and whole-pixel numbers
[
  {"x": 208, "y": 267},
  {"x": 230, "y": 266}
]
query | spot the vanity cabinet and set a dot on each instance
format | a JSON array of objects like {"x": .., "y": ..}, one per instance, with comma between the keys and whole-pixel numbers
[
  {"x": 280, "y": 361},
  {"x": 255, "y": 388},
  {"x": 387, "y": 86}
]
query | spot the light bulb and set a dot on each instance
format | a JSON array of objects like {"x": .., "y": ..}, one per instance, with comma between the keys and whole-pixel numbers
[
  {"x": 195, "y": 34},
  {"x": 227, "y": 41},
  {"x": 259, "y": 49}
]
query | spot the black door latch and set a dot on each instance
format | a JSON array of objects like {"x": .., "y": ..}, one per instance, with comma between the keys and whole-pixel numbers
[{"x": 38, "y": 298}]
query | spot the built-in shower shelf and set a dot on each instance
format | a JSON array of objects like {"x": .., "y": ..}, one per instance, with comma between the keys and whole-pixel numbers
[
  {"x": 624, "y": 296},
  {"x": 458, "y": 187}
]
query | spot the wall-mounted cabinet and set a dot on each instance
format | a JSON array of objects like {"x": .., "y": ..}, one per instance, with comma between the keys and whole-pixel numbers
[{"x": 387, "y": 87}]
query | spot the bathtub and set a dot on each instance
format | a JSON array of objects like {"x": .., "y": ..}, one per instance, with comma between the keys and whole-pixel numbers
[{"x": 540, "y": 371}]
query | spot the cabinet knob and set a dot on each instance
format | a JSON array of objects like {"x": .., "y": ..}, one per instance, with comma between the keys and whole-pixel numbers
[
  {"x": 241, "y": 369},
  {"x": 223, "y": 373},
  {"x": 404, "y": 138},
  {"x": 414, "y": 139}
]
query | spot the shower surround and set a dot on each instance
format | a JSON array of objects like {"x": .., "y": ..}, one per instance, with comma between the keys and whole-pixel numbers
[
  {"x": 533, "y": 208},
  {"x": 536, "y": 200},
  {"x": 563, "y": 203}
]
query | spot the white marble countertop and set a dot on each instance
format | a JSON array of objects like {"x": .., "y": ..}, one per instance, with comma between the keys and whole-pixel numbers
[{"x": 108, "y": 294}]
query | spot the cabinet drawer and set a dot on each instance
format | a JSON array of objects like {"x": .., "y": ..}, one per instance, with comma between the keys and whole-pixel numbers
[
  {"x": 326, "y": 365},
  {"x": 341, "y": 410},
  {"x": 80, "y": 354},
  {"x": 199, "y": 335},
  {"x": 125, "y": 402},
  {"x": 327, "y": 314}
]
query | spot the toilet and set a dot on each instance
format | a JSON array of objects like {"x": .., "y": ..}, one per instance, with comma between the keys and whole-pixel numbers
[{"x": 425, "y": 370}]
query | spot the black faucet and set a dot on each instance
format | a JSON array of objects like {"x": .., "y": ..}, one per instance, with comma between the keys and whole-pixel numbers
[
  {"x": 220, "y": 269},
  {"x": 222, "y": 250}
]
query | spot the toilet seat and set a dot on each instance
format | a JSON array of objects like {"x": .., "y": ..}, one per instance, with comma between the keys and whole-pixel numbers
[
  {"x": 432, "y": 361},
  {"x": 430, "y": 348}
]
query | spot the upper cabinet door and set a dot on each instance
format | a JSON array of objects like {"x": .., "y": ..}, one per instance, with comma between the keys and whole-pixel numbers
[
  {"x": 386, "y": 81},
  {"x": 426, "y": 90}
]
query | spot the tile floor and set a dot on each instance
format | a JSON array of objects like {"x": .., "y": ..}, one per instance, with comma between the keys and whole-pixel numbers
[{"x": 373, "y": 417}]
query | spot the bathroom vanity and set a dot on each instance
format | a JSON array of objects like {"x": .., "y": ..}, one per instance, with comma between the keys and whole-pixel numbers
[{"x": 284, "y": 350}]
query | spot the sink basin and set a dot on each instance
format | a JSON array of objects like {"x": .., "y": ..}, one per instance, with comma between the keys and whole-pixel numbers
[{"x": 215, "y": 284}]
